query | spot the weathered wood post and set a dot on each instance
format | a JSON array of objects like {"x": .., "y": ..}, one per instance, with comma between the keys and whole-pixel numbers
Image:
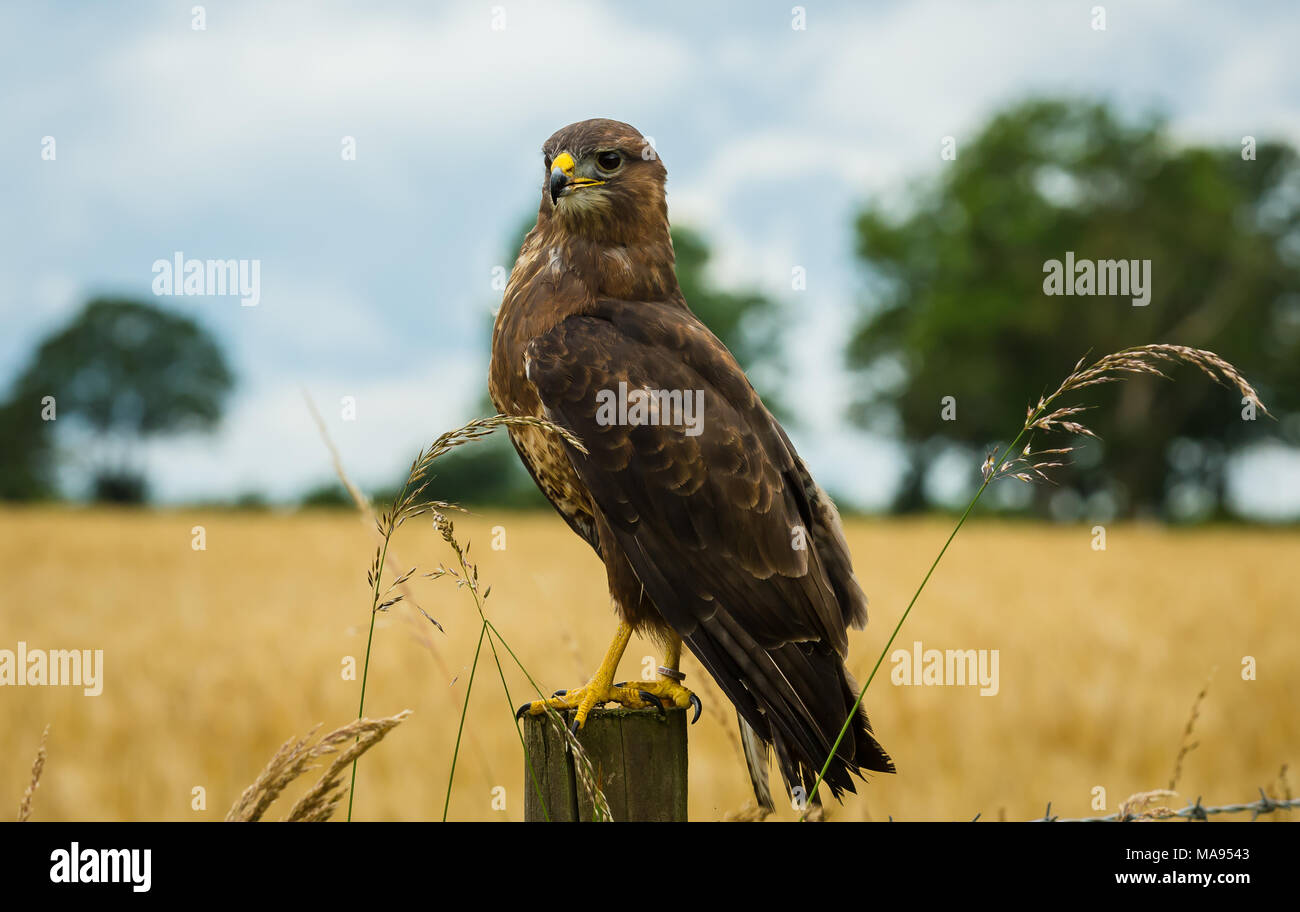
[{"x": 638, "y": 755}]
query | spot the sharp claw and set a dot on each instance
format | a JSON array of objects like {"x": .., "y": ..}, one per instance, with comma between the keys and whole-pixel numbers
[
  {"x": 695, "y": 701},
  {"x": 523, "y": 710},
  {"x": 559, "y": 693},
  {"x": 651, "y": 698},
  {"x": 621, "y": 684},
  {"x": 577, "y": 724}
]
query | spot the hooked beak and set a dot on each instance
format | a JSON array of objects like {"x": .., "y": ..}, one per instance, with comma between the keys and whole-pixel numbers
[
  {"x": 559, "y": 181},
  {"x": 564, "y": 178}
]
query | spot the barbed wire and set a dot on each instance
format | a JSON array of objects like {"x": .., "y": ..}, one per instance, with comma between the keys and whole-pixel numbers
[
  {"x": 1194, "y": 811},
  {"x": 1134, "y": 808}
]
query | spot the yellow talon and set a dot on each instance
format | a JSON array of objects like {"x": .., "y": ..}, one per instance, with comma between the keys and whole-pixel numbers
[
  {"x": 594, "y": 692},
  {"x": 601, "y": 689},
  {"x": 669, "y": 692}
]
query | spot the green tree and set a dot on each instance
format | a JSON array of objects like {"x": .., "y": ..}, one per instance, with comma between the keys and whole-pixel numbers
[
  {"x": 26, "y": 451},
  {"x": 125, "y": 371},
  {"x": 744, "y": 320},
  {"x": 957, "y": 304}
]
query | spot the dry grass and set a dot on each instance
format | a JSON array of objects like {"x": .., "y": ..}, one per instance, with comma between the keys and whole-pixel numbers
[
  {"x": 38, "y": 767},
  {"x": 1048, "y": 415},
  {"x": 1147, "y": 805},
  {"x": 467, "y": 578},
  {"x": 210, "y": 657},
  {"x": 1188, "y": 744},
  {"x": 295, "y": 758},
  {"x": 409, "y": 505}
]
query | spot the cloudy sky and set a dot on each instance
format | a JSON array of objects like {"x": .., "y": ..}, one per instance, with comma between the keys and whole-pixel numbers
[{"x": 376, "y": 273}]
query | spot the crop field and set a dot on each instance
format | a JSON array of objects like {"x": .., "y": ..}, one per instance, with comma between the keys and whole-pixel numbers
[{"x": 213, "y": 658}]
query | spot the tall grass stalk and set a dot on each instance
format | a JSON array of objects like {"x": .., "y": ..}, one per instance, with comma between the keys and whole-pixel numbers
[
  {"x": 468, "y": 578},
  {"x": 1030, "y": 465},
  {"x": 408, "y": 504},
  {"x": 586, "y": 773},
  {"x": 460, "y": 729},
  {"x": 582, "y": 763}
]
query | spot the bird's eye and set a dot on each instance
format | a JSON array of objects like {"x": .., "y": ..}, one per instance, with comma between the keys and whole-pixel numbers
[{"x": 609, "y": 161}]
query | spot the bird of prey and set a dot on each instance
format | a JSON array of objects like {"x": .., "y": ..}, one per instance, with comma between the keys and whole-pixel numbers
[{"x": 711, "y": 529}]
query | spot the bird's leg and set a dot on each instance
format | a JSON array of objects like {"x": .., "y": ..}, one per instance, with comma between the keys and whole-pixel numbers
[
  {"x": 596, "y": 692},
  {"x": 601, "y": 690},
  {"x": 667, "y": 688}
]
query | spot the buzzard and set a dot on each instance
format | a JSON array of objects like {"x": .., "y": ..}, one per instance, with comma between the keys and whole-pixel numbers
[{"x": 711, "y": 529}]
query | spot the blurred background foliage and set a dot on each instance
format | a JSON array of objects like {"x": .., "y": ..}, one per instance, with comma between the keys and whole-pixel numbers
[
  {"x": 118, "y": 372},
  {"x": 953, "y": 305},
  {"x": 956, "y": 305}
]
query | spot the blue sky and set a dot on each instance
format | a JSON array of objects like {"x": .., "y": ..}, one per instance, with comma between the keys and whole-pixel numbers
[{"x": 376, "y": 273}]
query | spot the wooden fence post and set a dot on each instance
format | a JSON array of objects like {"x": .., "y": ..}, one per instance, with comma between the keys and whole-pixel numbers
[{"x": 639, "y": 757}]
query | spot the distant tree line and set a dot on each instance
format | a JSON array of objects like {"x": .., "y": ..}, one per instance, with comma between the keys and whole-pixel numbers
[
  {"x": 960, "y": 324},
  {"x": 118, "y": 373},
  {"x": 956, "y": 305}
]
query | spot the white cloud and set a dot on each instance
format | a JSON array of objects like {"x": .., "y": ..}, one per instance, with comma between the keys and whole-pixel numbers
[
  {"x": 229, "y": 138},
  {"x": 266, "y": 83},
  {"x": 1264, "y": 481},
  {"x": 271, "y": 444}
]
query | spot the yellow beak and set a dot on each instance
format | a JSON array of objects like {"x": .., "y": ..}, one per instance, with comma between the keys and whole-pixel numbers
[
  {"x": 564, "y": 177},
  {"x": 564, "y": 163}
]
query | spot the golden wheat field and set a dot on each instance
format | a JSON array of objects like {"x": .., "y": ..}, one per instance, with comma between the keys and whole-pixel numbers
[{"x": 214, "y": 658}]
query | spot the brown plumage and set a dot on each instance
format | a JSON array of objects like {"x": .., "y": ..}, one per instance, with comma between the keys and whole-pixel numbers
[{"x": 721, "y": 536}]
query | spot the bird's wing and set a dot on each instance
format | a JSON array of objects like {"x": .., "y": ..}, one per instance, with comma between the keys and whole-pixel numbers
[{"x": 715, "y": 520}]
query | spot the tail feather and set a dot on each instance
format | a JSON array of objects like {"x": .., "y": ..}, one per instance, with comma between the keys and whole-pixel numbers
[
  {"x": 756, "y": 760},
  {"x": 868, "y": 751},
  {"x": 831, "y": 701}
]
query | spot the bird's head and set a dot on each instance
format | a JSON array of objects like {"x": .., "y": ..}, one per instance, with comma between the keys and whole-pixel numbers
[{"x": 603, "y": 179}]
